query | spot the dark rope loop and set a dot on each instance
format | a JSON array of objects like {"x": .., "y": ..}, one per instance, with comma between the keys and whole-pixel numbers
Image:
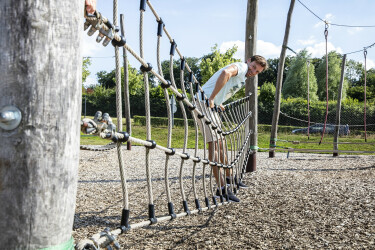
[
  {"x": 153, "y": 144},
  {"x": 146, "y": 69},
  {"x": 171, "y": 153},
  {"x": 326, "y": 30}
]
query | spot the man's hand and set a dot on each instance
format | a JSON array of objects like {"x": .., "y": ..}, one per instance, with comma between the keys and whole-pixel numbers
[
  {"x": 90, "y": 6},
  {"x": 211, "y": 102}
]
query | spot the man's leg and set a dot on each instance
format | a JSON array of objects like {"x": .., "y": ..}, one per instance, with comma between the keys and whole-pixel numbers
[{"x": 212, "y": 156}]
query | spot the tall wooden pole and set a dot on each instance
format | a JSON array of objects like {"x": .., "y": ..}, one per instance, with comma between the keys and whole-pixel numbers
[
  {"x": 279, "y": 82},
  {"x": 338, "y": 107},
  {"x": 40, "y": 68},
  {"x": 251, "y": 86}
]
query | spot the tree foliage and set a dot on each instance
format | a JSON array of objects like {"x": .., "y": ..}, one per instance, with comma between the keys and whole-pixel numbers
[
  {"x": 270, "y": 75},
  {"x": 215, "y": 60},
  {"x": 193, "y": 63},
  {"x": 85, "y": 68},
  {"x": 334, "y": 75},
  {"x": 296, "y": 81}
]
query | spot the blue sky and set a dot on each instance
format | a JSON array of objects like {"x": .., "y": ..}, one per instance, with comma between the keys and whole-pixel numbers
[{"x": 197, "y": 26}]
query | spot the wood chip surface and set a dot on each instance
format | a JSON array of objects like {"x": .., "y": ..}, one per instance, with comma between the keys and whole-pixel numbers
[{"x": 306, "y": 201}]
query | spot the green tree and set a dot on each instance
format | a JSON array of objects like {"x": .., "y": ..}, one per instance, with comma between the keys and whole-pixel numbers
[
  {"x": 215, "y": 60},
  {"x": 108, "y": 79},
  {"x": 358, "y": 91},
  {"x": 353, "y": 72},
  {"x": 334, "y": 75},
  {"x": 270, "y": 75},
  {"x": 193, "y": 63},
  {"x": 85, "y": 68},
  {"x": 295, "y": 84}
]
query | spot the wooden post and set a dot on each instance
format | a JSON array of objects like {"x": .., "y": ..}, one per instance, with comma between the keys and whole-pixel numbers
[
  {"x": 41, "y": 75},
  {"x": 251, "y": 86},
  {"x": 338, "y": 107},
  {"x": 279, "y": 83},
  {"x": 126, "y": 85}
]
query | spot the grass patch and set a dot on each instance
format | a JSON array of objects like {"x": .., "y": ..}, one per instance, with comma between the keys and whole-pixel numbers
[{"x": 160, "y": 135}]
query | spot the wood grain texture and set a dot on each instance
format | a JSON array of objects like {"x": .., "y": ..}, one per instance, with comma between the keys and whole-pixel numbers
[
  {"x": 40, "y": 68},
  {"x": 252, "y": 83}
]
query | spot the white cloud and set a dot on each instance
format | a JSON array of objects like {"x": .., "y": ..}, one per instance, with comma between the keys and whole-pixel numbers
[
  {"x": 319, "y": 49},
  {"x": 354, "y": 31},
  {"x": 268, "y": 49},
  {"x": 265, "y": 49},
  {"x": 369, "y": 63},
  {"x": 89, "y": 45},
  {"x": 309, "y": 41},
  {"x": 328, "y": 17},
  {"x": 90, "y": 81},
  {"x": 240, "y": 54}
]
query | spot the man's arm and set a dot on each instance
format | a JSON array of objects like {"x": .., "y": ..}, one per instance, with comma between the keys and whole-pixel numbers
[
  {"x": 225, "y": 75},
  {"x": 90, "y": 6}
]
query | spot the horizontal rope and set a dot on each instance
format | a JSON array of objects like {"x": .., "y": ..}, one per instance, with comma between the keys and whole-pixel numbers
[
  {"x": 318, "y": 150},
  {"x": 168, "y": 150}
]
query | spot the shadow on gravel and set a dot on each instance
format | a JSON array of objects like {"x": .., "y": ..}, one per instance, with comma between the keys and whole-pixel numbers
[
  {"x": 198, "y": 177},
  {"x": 191, "y": 231},
  {"x": 321, "y": 159},
  {"x": 321, "y": 170}
]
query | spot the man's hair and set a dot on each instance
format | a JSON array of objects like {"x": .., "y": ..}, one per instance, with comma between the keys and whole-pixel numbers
[{"x": 260, "y": 60}]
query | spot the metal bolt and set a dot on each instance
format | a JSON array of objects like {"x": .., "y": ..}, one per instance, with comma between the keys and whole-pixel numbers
[{"x": 10, "y": 117}]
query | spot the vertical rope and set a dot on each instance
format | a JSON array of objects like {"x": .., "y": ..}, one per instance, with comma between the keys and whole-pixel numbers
[
  {"x": 186, "y": 134},
  {"x": 308, "y": 100},
  {"x": 199, "y": 106},
  {"x": 148, "y": 118},
  {"x": 119, "y": 115},
  {"x": 325, "y": 120},
  {"x": 364, "y": 116},
  {"x": 169, "y": 114},
  {"x": 196, "y": 139}
]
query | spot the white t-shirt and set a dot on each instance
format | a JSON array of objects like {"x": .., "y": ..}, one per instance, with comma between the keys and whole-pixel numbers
[{"x": 234, "y": 83}]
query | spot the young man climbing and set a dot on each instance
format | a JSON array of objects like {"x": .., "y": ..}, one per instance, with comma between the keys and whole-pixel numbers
[{"x": 220, "y": 87}]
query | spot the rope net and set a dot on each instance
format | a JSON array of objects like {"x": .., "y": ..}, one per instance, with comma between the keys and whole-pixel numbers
[{"x": 229, "y": 127}]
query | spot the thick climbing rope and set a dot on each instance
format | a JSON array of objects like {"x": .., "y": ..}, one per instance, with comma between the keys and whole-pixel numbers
[
  {"x": 169, "y": 114},
  {"x": 119, "y": 121},
  {"x": 142, "y": 9},
  {"x": 326, "y": 117}
]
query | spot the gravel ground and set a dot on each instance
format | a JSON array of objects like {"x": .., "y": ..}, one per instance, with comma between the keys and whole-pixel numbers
[{"x": 304, "y": 201}]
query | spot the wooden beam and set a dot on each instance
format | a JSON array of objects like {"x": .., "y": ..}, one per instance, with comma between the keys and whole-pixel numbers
[
  {"x": 338, "y": 108},
  {"x": 279, "y": 81},
  {"x": 41, "y": 71},
  {"x": 251, "y": 86}
]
